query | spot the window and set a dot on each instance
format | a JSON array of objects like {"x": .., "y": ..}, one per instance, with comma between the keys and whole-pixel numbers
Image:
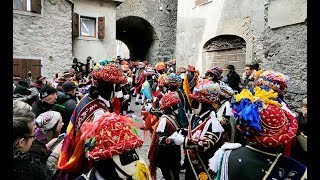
[
  {"x": 87, "y": 26},
  {"x": 27, "y": 5}
]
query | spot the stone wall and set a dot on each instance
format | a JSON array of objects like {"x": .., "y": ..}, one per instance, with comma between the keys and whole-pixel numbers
[
  {"x": 162, "y": 15},
  {"x": 39, "y": 36},
  {"x": 284, "y": 49}
]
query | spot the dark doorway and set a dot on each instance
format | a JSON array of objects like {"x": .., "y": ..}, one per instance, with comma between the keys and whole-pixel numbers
[{"x": 137, "y": 34}]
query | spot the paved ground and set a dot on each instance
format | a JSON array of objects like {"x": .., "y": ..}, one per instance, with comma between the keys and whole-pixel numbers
[{"x": 143, "y": 150}]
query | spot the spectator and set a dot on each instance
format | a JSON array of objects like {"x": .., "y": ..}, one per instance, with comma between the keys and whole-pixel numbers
[
  {"x": 47, "y": 98},
  {"x": 247, "y": 75},
  {"x": 25, "y": 165},
  {"x": 233, "y": 78},
  {"x": 299, "y": 151}
]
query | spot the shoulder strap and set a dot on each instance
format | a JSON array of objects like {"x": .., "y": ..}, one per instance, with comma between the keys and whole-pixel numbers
[{"x": 172, "y": 121}]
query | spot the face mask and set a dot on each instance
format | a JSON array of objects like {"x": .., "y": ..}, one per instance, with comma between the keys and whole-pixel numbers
[
  {"x": 197, "y": 110},
  {"x": 127, "y": 163}
]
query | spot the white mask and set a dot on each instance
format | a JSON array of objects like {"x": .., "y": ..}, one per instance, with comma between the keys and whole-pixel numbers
[
  {"x": 197, "y": 110},
  {"x": 129, "y": 167}
]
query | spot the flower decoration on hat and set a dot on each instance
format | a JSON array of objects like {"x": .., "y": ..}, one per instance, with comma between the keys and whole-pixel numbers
[
  {"x": 262, "y": 120},
  {"x": 109, "y": 73},
  {"x": 124, "y": 63},
  {"x": 182, "y": 69},
  {"x": 161, "y": 80},
  {"x": 206, "y": 91},
  {"x": 173, "y": 80},
  {"x": 160, "y": 66},
  {"x": 168, "y": 100},
  {"x": 272, "y": 79},
  {"x": 125, "y": 68},
  {"x": 226, "y": 91},
  {"x": 108, "y": 136},
  {"x": 149, "y": 71},
  {"x": 216, "y": 71},
  {"x": 191, "y": 68}
]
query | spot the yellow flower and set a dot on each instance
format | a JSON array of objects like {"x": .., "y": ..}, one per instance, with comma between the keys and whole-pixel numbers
[{"x": 203, "y": 176}]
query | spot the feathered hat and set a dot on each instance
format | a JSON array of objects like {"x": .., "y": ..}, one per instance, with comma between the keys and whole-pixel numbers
[
  {"x": 272, "y": 79},
  {"x": 109, "y": 73},
  {"x": 173, "y": 80},
  {"x": 168, "y": 100},
  {"x": 109, "y": 136},
  {"x": 160, "y": 66},
  {"x": 206, "y": 91}
]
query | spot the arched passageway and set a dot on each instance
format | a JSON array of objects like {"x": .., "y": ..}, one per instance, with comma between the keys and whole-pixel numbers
[{"x": 137, "y": 34}]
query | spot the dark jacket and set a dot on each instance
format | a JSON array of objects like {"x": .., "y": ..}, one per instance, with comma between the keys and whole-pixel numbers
[
  {"x": 28, "y": 166},
  {"x": 234, "y": 80},
  {"x": 65, "y": 104},
  {"x": 39, "y": 107}
]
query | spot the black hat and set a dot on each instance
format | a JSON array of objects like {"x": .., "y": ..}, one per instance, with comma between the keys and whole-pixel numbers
[
  {"x": 68, "y": 86},
  {"x": 46, "y": 90},
  {"x": 230, "y": 66},
  {"x": 21, "y": 90},
  {"x": 24, "y": 83}
]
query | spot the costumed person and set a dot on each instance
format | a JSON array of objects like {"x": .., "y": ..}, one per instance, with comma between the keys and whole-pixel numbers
[
  {"x": 146, "y": 89},
  {"x": 163, "y": 152},
  {"x": 110, "y": 142},
  {"x": 204, "y": 132},
  {"x": 214, "y": 74},
  {"x": 72, "y": 160},
  {"x": 160, "y": 71},
  {"x": 139, "y": 80},
  {"x": 225, "y": 114},
  {"x": 125, "y": 106},
  {"x": 267, "y": 129},
  {"x": 174, "y": 84},
  {"x": 189, "y": 82}
]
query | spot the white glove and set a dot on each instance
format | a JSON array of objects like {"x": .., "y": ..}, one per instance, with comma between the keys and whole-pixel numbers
[
  {"x": 148, "y": 107},
  {"x": 126, "y": 97},
  {"x": 177, "y": 138}
]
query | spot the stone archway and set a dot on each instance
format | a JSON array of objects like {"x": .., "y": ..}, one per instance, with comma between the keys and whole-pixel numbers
[
  {"x": 223, "y": 50},
  {"x": 137, "y": 34}
]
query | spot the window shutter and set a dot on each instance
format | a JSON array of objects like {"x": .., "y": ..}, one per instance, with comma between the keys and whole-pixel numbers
[
  {"x": 101, "y": 24},
  {"x": 36, "y": 6},
  {"x": 75, "y": 24}
]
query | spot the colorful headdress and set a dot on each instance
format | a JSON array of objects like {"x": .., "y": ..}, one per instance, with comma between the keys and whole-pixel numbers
[
  {"x": 124, "y": 63},
  {"x": 191, "y": 68},
  {"x": 206, "y": 91},
  {"x": 109, "y": 136},
  {"x": 161, "y": 80},
  {"x": 173, "y": 80},
  {"x": 216, "y": 71},
  {"x": 262, "y": 120},
  {"x": 168, "y": 100},
  {"x": 274, "y": 80},
  {"x": 226, "y": 91},
  {"x": 125, "y": 67},
  {"x": 149, "y": 71},
  {"x": 160, "y": 66},
  {"x": 182, "y": 69},
  {"x": 109, "y": 73}
]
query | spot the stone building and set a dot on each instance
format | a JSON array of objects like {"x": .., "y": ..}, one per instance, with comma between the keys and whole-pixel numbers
[
  {"x": 148, "y": 28},
  {"x": 273, "y": 33},
  {"x": 48, "y": 34}
]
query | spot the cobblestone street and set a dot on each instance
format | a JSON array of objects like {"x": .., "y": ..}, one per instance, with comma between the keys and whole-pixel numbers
[{"x": 143, "y": 150}]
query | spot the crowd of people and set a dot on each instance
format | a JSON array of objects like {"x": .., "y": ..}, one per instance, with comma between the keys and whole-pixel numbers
[{"x": 80, "y": 125}]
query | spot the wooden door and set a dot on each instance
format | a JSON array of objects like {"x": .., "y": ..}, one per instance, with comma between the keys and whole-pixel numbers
[
  {"x": 223, "y": 58},
  {"x": 22, "y": 66}
]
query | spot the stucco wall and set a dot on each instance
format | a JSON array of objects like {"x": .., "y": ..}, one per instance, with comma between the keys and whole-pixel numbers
[
  {"x": 198, "y": 24},
  {"x": 97, "y": 49},
  {"x": 282, "y": 48},
  {"x": 163, "y": 22},
  {"x": 39, "y": 36}
]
